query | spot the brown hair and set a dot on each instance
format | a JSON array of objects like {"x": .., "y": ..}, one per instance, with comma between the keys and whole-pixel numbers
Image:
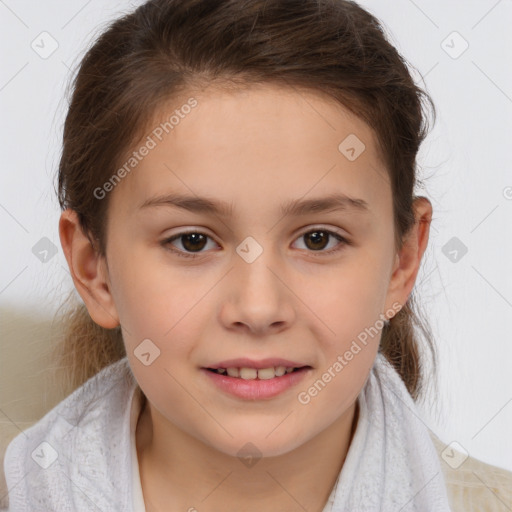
[{"x": 166, "y": 47}]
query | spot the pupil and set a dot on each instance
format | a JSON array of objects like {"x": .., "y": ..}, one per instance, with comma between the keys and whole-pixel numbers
[
  {"x": 316, "y": 237},
  {"x": 198, "y": 241}
]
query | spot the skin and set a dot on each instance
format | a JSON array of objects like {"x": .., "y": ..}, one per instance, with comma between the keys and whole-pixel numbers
[{"x": 255, "y": 148}]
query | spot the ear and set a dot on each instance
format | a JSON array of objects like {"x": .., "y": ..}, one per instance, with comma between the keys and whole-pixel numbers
[
  {"x": 88, "y": 270},
  {"x": 408, "y": 259}
]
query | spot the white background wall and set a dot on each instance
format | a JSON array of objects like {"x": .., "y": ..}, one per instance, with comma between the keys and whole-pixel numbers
[{"x": 466, "y": 164}]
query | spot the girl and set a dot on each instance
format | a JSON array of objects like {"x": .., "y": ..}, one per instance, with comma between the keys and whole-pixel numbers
[{"x": 239, "y": 220}]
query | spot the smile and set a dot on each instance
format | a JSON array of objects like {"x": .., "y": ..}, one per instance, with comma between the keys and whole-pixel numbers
[{"x": 255, "y": 384}]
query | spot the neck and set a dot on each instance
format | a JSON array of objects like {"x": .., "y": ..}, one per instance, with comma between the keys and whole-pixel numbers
[{"x": 177, "y": 468}]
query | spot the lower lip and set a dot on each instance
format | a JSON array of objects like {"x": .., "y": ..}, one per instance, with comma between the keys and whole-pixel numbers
[{"x": 256, "y": 389}]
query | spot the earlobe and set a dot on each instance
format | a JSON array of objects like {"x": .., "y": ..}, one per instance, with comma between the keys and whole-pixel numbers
[{"x": 88, "y": 270}]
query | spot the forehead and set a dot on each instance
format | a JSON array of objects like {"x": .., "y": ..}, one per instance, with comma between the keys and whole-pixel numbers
[{"x": 257, "y": 145}]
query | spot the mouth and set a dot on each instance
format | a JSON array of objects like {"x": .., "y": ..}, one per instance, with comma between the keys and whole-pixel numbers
[{"x": 250, "y": 380}]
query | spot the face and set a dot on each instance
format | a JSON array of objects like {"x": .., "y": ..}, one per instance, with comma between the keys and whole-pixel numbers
[{"x": 257, "y": 279}]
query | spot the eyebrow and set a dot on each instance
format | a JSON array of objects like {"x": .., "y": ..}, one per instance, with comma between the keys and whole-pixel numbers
[{"x": 297, "y": 207}]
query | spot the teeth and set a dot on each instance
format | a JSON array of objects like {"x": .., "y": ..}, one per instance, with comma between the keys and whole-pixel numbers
[
  {"x": 280, "y": 370},
  {"x": 253, "y": 373},
  {"x": 266, "y": 373},
  {"x": 248, "y": 373}
]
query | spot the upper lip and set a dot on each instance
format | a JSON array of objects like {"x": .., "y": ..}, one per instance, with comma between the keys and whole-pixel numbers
[{"x": 244, "y": 362}]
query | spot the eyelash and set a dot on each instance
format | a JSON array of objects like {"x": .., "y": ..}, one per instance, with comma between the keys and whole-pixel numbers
[{"x": 343, "y": 242}]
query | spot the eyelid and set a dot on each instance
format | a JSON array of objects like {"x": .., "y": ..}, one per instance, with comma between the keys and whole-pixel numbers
[
  {"x": 334, "y": 232},
  {"x": 166, "y": 243},
  {"x": 342, "y": 239},
  {"x": 319, "y": 227}
]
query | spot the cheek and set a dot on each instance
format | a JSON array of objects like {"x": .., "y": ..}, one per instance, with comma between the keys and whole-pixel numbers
[
  {"x": 350, "y": 299},
  {"x": 166, "y": 325},
  {"x": 351, "y": 310},
  {"x": 336, "y": 386},
  {"x": 159, "y": 303},
  {"x": 143, "y": 287}
]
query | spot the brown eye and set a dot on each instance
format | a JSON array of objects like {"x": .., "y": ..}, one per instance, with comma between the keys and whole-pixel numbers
[
  {"x": 318, "y": 239},
  {"x": 192, "y": 243}
]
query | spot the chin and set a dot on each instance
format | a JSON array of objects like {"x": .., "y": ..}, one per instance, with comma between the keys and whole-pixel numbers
[{"x": 257, "y": 444}]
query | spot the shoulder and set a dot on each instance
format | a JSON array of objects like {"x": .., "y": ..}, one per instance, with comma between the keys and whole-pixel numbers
[
  {"x": 85, "y": 405},
  {"x": 79, "y": 437},
  {"x": 473, "y": 485}
]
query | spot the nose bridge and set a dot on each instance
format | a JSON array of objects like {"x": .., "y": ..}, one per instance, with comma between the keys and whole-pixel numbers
[
  {"x": 255, "y": 261},
  {"x": 258, "y": 297}
]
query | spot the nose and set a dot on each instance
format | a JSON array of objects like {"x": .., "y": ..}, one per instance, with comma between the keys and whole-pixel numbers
[{"x": 256, "y": 298}]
